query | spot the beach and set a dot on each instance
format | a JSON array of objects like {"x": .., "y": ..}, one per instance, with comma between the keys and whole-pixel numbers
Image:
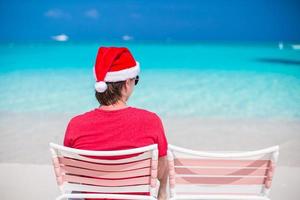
[
  {"x": 218, "y": 97},
  {"x": 25, "y": 160},
  {"x": 221, "y": 75}
]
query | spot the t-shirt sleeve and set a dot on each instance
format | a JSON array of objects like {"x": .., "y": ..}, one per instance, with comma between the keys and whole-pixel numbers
[
  {"x": 69, "y": 135},
  {"x": 161, "y": 139}
]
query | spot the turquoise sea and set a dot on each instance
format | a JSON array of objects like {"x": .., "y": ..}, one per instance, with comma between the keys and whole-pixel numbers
[{"x": 209, "y": 80}]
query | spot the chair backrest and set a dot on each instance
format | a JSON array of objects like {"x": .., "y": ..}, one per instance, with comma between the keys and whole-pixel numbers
[
  {"x": 228, "y": 174},
  {"x": 133, "y": 171}
]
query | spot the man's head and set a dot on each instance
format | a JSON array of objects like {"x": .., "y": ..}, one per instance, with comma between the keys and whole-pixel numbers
[
  {"x": 114, "y": 64},
  {"x": 115, "y": 71}
]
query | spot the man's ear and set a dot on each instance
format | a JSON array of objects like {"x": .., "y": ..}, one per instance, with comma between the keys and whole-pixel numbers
[{"x": 127, "y": 85}]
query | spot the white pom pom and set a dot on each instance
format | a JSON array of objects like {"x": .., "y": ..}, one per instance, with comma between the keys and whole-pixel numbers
[{"x": 100, "y": 86}]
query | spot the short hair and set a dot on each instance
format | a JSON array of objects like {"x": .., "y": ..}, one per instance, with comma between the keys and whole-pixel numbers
[{"x": 112, "y": 94}]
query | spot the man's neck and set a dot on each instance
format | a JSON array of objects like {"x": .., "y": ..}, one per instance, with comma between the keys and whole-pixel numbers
[{"x": 118, "y": 105}]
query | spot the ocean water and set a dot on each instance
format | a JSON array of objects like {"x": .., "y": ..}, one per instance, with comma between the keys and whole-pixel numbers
[{"x": 209, "y": 80}]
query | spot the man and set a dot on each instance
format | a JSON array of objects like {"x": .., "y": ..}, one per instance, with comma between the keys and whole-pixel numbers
[{"x": 115, "y": 125}]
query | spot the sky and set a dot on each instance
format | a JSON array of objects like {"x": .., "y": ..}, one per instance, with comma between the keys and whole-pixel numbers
[{"x": 151, "y": 20}]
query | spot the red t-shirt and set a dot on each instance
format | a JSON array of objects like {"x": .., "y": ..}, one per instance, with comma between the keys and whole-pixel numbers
[{"x": 116, "y": 130}]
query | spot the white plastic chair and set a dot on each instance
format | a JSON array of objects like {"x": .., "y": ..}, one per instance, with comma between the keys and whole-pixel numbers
[
  {"x": 105, "y": 174},
  {"x": 220, "y": 176}
]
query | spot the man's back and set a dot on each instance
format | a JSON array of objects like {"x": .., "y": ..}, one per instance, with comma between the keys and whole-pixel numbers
[{"x": 116, "y": 130}]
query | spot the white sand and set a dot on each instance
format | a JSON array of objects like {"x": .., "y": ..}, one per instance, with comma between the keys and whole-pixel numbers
[{"x": 25, "y": 158}]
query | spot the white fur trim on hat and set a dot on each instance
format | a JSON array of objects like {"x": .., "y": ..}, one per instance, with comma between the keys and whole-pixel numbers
[
  {"x": 100, "y": 86},
  {"x": 123, "y": 75}
]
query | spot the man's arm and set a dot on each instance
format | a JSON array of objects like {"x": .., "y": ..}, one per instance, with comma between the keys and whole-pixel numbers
[{"x": 162, "y": 176}]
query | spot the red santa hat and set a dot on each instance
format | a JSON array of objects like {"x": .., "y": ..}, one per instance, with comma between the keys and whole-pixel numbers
[{"x": 114, "y": 64}]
